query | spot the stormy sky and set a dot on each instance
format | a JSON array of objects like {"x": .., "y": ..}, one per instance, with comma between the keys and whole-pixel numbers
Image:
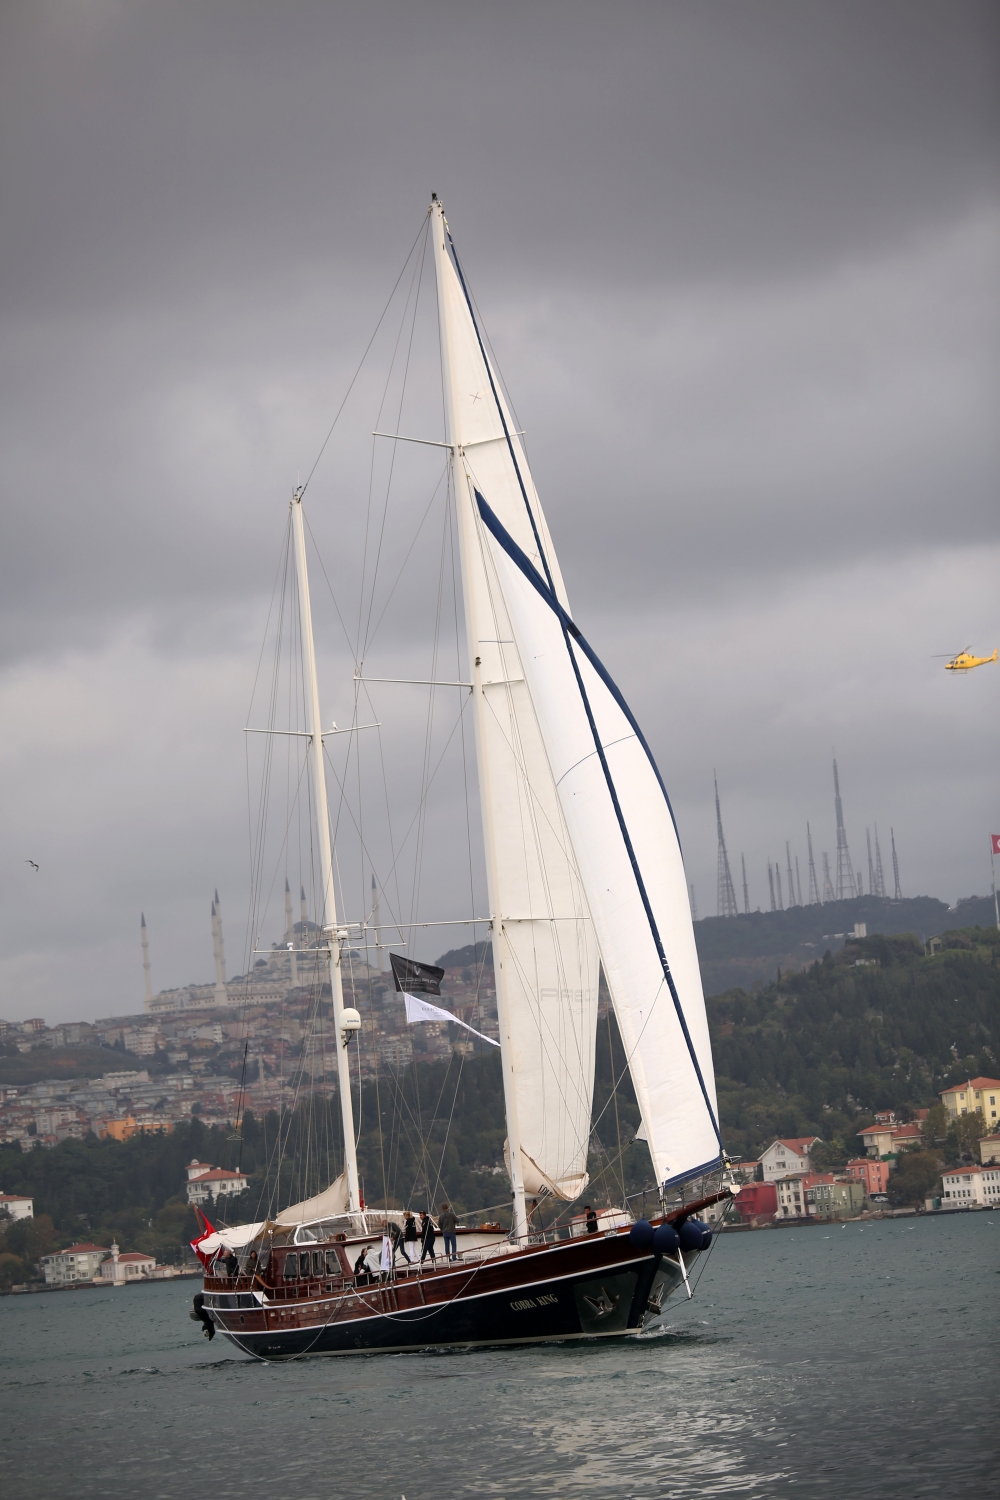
[{"x": 739, "y": 266}]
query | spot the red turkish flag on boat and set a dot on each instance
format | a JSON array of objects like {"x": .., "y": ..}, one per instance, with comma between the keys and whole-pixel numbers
[{"x": 996, "y": 842}]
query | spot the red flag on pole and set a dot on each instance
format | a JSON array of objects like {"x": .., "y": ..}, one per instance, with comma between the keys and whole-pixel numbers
[{"x": 996, "y": 842}]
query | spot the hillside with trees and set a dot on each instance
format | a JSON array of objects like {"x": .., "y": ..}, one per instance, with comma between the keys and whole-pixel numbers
[{"x": 879, "y": 1025}]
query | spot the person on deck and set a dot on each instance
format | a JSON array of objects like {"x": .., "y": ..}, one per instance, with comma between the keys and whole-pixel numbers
[
  {"x": 232, "y": 1264},
  {"x": 396, "y": 1236},
  {"x": 428, "y": 1235},
  {"x": 448, "y": 1223},
  {"x": 410, "y": 1236},
  {"x": 591, "y": 1219}
]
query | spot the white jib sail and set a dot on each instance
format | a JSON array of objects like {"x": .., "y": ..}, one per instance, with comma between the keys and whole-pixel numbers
[
  {"x": 679, "y": 1107},
  {"x": 544, "y": 948}
]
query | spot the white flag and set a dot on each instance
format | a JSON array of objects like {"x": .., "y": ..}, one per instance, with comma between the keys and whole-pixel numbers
[{"x": 422, "y": 1010}]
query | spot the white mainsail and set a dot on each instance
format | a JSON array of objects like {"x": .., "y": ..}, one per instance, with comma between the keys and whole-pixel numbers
[
  {"x": 624, "y": 845},
  {"x": 544, "y": 947}
]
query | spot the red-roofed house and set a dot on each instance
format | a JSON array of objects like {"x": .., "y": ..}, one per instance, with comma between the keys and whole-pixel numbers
[
  {"x": 889, "y": 1140},
  {"x": 989, "y": 1149},
  {"x": 214, "y": 1183},
  {"x": 964, "y": 1186},
  {"x": 978, "y": 1095},
  {"x": 782, "y": 1157},
  {"x": 17, "y": 1207},
  {"x": 128, "y": 1267}
]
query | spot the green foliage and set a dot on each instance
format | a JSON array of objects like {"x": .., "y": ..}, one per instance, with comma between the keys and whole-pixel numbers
[
  {"x": 917, "y": 1176},
  {"x": 22, "y": 1245},
  {"x": 817, "y": 1052},
  {"x": 964, "y": 1135},
  {"x": 21, "y": 1068}
]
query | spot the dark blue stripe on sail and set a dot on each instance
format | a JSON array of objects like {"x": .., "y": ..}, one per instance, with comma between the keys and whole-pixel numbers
[
  {"x": 708, "y": 1166},
  {"x": 533, "y": 576},
  {"x": 570, "y": 631}
]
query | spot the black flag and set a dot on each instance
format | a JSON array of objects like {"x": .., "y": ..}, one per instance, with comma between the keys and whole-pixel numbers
[{"x": 416, "y": 979}]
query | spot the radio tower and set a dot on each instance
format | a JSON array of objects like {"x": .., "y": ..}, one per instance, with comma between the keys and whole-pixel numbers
[
  {"x": 898, "y": 895},
  {"x": 770, "y": 881},
  {"x": 879, "y": 877},
  {"x": 845, "y": 870},
  {"x": 726, "y": 896},
  {"x": 791, "y": 883},
  {"x": 746, "y": 893},
  {"x": 798, "y": 882},
  {"x": 145, "y": 964},
  {"x": 827, "y": 882},
  {"x": 872, "y": 891},
  {"x": 813, "y": 882}
]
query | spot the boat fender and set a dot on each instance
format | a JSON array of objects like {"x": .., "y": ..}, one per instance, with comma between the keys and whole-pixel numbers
[
  {"x": 199, "y": 1315},
  {"x": 641, "y": 1234},
  {"x": 694, "y": 1235},
  {"x": 665, "y": 1239}
]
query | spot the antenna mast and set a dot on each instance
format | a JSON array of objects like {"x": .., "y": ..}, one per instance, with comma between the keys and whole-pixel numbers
[
  {"x": 845, "y": 870},
  {"x": 145, "y": 963},
  {"x": 327, "y": 914},
  {"x": 879, "y": 876},
  {"x": 726, "y": 895},
  {"x": 746, "y": 893},
  {"x": 897, "y": 894},
  {"x": 814, "y": 899}
]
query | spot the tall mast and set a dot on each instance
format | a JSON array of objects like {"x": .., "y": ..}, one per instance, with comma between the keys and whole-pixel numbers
[
  {"x": 468, "y": 546},
  {"x": 328, "y": 906}
]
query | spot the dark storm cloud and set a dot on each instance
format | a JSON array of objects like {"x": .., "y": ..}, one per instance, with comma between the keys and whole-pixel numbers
[{"x": 739, "y": 263}]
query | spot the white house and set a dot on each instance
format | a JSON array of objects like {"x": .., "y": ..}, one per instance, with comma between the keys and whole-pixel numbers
[
  {"x": 128, "y": 1267},
  {"x": 78, "y": 1263},
  {"x": 783, "y": 1157},
  {"x": 17, "y": 1207},
  {"x": 214, "y": 1183},
  {"x": 965, "y": 1186}
]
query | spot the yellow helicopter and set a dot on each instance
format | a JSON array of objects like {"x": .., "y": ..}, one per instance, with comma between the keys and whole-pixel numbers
[{"x": 965, "y": 661}]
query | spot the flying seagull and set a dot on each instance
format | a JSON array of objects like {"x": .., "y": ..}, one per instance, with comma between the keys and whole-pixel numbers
[{"x": 31, "y": 862}]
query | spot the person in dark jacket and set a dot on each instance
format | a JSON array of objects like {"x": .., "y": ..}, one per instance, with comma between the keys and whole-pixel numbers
[
  {"x": 428, "y": 1235},
  {"x": 396, "y": 1236},
  {"x": 410, "y": 1236},
  {"x": 591, "y": 1219},
  {"x": 448, "y": 1223}
]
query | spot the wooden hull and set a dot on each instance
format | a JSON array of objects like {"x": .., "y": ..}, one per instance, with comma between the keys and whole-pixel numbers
[{"x": 598, "y": 1286}]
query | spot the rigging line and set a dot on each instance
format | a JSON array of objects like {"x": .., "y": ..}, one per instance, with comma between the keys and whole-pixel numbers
[
  {"x": 399, "y": 413},
  {"x": 416, "y": 535},
  {"x": 570, "y": 634},
  {"x": 322, "y": 567},
  {"x": 429, "y": 730},
  {"x": 371, "y": 469},
  {"x": 378, "y": 325},
  {"x": 402, "y": 926}
]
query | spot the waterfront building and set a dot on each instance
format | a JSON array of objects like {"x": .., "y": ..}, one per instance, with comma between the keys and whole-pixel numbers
[
  {"x": 965, "y": 1187},
  {"x": 989, "y": 1149},
  {"x": 871, "y": 1172},
  {"x": 826, "y": 1197},
  {"x": 132, "y": 1266},
  {"x": 791, "y": 1197},
  {"x": 78, "y": 1263},
  {"x": 785, "y": 1156},
  {"x": 977, "y": 1095},
  {"x": 757, "y": 1202},
  {"x": 16, "y": 1206}
]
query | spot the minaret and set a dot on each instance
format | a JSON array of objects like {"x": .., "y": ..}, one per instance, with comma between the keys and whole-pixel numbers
[
  {"x": 814, "y": 896},
  {"x": 291, "y": 940},
  {"x": 726, "y": 897},
  {"x": 221, "y": 996},
  {"x": 145, "y": 963},
  {"x": 845, "y": 870}
]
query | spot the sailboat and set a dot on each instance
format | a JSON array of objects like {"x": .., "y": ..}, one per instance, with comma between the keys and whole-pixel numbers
[{"x": 584, "y": 873}]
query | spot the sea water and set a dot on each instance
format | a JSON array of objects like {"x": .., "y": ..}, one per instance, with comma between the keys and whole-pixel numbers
[{"x": 855, "y": 1360}]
